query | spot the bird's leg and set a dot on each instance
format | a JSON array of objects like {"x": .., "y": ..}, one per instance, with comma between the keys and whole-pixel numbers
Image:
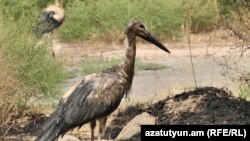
[
  {"x": 53, "y": 53},
  {"x": 92, "y": 126},
  {"x": 51, "y": 44},
  {"x": 102, "y": 124}
]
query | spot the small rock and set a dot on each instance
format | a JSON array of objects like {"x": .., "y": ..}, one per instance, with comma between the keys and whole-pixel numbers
[
  {"x": 134, "y": 126},
  {"x": 68, "y": 138}
]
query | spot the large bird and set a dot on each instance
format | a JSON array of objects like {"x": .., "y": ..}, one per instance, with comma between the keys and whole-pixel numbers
[
  {"x": 98, "y": 94},
  {"x": 51, "y": 18}
]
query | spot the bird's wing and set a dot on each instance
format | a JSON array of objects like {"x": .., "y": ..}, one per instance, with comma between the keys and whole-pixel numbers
[
  {"x": 56, "y": 124},
  {"x": 98, "y": 95}
]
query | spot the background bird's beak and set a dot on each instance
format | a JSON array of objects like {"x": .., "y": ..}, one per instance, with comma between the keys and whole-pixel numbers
[{"x": 148, "y": 37}]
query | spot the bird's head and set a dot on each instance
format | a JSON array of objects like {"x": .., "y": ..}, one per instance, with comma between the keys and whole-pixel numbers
[{"x": 137, "y": 28}]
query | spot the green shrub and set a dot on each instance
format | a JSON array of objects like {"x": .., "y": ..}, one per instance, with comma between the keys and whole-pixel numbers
[
  {"x": 203, "y": 13},
  {"x": 33, "y": 64},
  {"x": 228, "y": 7},
  {"x": 245, "y": 91},
  {"x": 106, "y": 19}
]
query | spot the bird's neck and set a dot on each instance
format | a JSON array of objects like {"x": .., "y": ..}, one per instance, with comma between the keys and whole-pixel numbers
[
  {"x": 57, "y": 3},
  {"x": 129, "y": 61}
]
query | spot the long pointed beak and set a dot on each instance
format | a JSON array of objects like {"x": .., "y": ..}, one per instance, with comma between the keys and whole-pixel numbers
[{"x": 148, "y": 37}]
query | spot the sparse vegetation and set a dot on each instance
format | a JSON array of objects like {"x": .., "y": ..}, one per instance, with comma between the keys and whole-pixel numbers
[
  {"x": 140, "y": 65},
  {"x": 235, "y": 18},
  {"x": 99, "y": 63}
]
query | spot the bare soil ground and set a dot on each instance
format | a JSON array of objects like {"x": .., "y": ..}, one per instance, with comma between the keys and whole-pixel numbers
[{"x": 206, "y": 105}]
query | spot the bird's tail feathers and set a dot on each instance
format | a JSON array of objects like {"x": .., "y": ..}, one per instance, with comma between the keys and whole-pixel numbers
[{"x": 52, "y": 129}]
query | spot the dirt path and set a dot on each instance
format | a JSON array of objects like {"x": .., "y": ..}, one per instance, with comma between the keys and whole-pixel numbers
[{"x": 178, "y": 75}]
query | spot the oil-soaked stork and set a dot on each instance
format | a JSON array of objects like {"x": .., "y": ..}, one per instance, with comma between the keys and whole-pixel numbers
[
  {"x": 51, "y": 18},
  {"x": 99, "y": 94}
]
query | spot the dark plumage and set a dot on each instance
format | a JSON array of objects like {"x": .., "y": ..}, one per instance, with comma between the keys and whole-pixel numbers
[{"x": 99, "y": 94}]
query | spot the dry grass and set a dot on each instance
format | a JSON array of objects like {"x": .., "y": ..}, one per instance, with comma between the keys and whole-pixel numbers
[{"x": 12, "y": 99}]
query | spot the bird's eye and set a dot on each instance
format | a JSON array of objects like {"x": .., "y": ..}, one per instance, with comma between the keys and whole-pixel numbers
[{"x": 142, "y": 26}]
